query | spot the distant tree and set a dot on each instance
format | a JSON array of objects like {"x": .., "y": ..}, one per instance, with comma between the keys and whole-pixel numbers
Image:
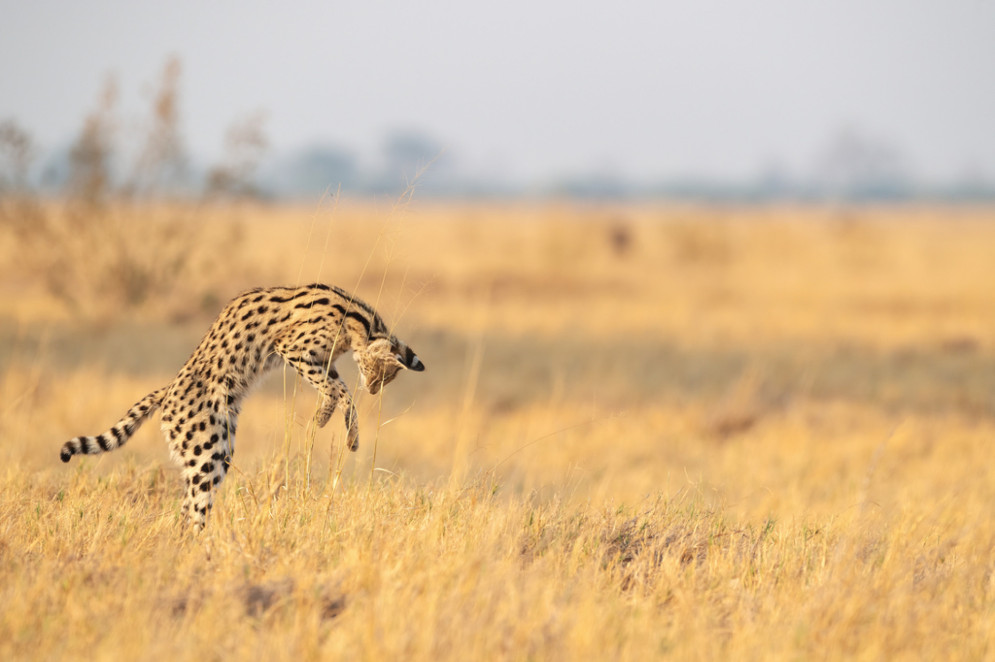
[
  {"x": 971, "y": 184},
  {"x": 19, "y": 210},
  {"x": 161, "y": 164},
  {"x": 90, "y": 177},
  {"x": 244, "y": 147},
  {"x": 855, "y": 166},
  {"x": 316, "y": 170},
  {"x": 410, "y": 154},
  {"x": 16, "y": 154}
]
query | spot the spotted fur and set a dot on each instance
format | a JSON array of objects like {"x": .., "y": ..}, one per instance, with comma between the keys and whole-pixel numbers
[{"x": 308, "y": 327}]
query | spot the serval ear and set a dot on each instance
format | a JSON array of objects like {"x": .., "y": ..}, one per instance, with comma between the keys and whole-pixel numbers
[{"x": 408, "y": 359}]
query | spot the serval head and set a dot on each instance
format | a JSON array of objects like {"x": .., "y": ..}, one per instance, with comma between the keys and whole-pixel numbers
[{"x": 381, "y": 360}]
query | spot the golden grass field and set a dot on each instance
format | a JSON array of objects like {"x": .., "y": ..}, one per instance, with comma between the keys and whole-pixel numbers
[{"x": 644, "y": 432}]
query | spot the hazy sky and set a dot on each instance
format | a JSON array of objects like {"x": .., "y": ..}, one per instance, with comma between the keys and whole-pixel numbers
[{"x": 651, "y": 89}]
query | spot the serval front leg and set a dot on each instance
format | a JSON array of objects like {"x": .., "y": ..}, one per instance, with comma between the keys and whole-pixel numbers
[{"x": 325, "y": 380}]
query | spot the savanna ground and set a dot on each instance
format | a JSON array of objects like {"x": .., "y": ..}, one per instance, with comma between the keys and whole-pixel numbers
[{"x": 644, "y": 432}]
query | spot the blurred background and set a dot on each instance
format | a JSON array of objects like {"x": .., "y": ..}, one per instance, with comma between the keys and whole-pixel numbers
[{"x": 769, "y": 100}]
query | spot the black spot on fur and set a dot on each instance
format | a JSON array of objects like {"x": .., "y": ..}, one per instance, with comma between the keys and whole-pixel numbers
[
  {"x": 276, "y": 299},
  {"x": 362, "y": 320}
]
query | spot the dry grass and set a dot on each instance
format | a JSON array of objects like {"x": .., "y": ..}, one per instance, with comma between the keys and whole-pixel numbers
[{"x": 644, "y": 432}]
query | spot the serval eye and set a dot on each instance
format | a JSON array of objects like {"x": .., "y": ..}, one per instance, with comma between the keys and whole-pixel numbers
[{"x": 308, "y": 327}]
